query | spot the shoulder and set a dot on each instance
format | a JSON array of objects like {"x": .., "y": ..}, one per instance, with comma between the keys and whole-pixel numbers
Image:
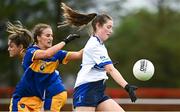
[
  {"x": 92, "y": 42},
  {"x": 31, "y": 49}
]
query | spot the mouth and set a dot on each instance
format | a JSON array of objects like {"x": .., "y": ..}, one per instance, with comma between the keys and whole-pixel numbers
[
  {"x": 108, "y": 34},
  {"x": 50, "y": 42}
]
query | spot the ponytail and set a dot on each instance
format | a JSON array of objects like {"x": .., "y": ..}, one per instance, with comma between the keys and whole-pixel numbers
[
  {"x": 18, "y": 34},
  {"x": 74, "y": 18}
]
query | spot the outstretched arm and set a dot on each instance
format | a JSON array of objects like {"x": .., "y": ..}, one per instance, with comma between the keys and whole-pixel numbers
[
  {"x": 42, "y": 54},
  {"x": 75, "y": 55}
]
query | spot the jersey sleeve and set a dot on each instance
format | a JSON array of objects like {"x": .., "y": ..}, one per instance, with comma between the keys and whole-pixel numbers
[
  {"x": 62, "y": 56},
  {"x": 100, "y": 56},
  {"x": 28, "y": 58}
]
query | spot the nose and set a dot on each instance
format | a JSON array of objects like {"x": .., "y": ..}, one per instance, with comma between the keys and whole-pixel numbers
[
  {"x": 8, "y": 48},
  {"x": 111, "y": 31},
  {"x": 51, "y": 37}
]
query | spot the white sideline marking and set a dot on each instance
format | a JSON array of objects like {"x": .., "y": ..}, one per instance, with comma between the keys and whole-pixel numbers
[{"x": 125, "y": 101}]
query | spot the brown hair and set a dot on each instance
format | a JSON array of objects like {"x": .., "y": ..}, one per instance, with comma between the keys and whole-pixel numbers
[
  {"x": 18, "y": 34},
  {"x": 37, "y": 30},
  {"x": 74, "y": 18}
]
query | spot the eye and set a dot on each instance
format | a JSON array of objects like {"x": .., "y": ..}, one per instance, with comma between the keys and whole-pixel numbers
[
  {"x": 109, "y": 27},
  {"x": 49, "y": 35}
]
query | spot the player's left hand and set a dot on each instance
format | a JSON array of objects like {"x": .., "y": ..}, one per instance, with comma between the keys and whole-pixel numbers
[
  {"x": 131, "y": 90},
  {"x": 71, "y": 37}
]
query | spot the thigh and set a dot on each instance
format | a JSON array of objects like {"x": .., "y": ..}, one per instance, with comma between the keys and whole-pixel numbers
[
  {"x": 109, "y": 105},
  {"x": 26, "y": 104},
  {"x": 56, "y": 102},
  {"x": 85, "y": 109}
]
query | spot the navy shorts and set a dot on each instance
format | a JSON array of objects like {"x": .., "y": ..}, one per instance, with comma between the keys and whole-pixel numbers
[{"x": 90, "y": 94}]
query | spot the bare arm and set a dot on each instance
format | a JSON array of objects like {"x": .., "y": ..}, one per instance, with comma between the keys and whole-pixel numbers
[
  {"x": 42, "y": 54},
  {"x": 120, "y": 80},
  {"x": 75, "y": 55},
  {"x": 115, "y": 74}
]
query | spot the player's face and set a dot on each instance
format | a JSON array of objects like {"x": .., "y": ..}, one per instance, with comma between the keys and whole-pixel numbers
[
  {"x": 105, "y": 31},
  {"x": 46, "y": 38},
  {"x": 14, "y": 50}
]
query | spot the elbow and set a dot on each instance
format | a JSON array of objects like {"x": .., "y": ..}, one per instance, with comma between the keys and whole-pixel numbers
[
  {"x": 109, "y": 70},
  {"x": 47, "y": 55}
]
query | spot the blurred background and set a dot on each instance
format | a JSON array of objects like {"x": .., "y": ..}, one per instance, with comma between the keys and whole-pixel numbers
[{"x": 148, "y": 29}]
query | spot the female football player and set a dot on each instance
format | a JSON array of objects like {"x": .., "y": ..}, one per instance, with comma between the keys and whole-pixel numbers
[
  {"x": 90, "y": 83},
  {"x": 18, "y": 40},
  {"x": 23, "y": 98},
  {"x": 55, "y": 94}
]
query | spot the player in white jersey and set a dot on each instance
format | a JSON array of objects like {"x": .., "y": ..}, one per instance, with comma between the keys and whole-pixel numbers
[
  {"x": 90, "y": 83},
  {"x": 95, "y": 56}
]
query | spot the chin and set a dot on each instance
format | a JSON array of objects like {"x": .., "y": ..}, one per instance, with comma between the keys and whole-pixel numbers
[
  {"x": 11, "y": 55},
  {"x": 50, "y": 45}
]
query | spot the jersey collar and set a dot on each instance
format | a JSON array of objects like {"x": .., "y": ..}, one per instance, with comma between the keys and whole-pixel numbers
[{"x": 98, "y": 39}]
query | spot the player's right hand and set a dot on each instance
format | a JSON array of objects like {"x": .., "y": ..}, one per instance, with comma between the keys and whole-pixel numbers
[
  {"x": 70, "y": 38},
  {"x": 131, "y": 90}
]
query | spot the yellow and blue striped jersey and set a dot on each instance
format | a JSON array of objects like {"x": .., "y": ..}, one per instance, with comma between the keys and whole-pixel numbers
[{"x": 39, "y": 74}]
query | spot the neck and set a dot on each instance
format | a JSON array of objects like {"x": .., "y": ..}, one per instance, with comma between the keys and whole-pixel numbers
[
  {"x": 99, "y": 37},
  {"x": 22, "y": 53},
  {"x": 41, "y": 46}
]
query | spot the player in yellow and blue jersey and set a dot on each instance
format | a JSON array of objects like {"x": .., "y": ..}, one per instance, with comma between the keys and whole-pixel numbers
[
  {"x": 18, "y": 40},
  {"x": 40, "y": 76}
]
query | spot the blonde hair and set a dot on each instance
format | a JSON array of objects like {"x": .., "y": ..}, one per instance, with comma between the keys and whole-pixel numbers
[{"x": 18, "y": 34}]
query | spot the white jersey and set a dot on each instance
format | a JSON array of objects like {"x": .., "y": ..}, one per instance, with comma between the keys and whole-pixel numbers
[{"x": 95, "y": 57}]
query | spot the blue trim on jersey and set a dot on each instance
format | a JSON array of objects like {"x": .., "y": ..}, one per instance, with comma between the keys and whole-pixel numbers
[
  {"x": 99, "y": 40},
  {"x": 101, "y": 65}
]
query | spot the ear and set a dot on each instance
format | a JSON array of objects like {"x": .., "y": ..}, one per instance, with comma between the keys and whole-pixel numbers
[
  {"x": 98, "y": 25},
  {"x": 21, "y": 46},
  {"x": 38, "y": 39}
]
